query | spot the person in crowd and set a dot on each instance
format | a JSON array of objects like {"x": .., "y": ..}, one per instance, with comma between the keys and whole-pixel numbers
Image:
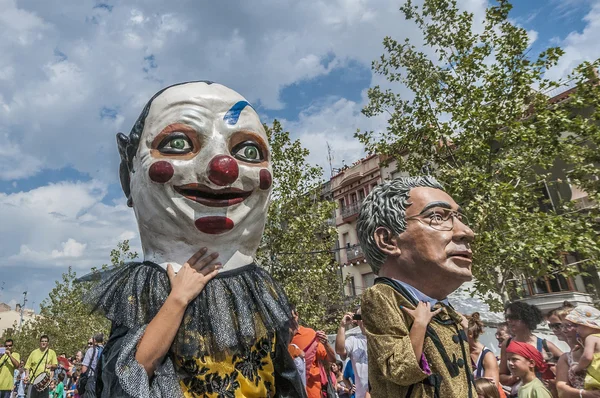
[
  {"x": 555, "y": 321},
  {"x": 59, "y": 390},
  {"x": 568, "y": 383},
  {"x": 296, "y": 353},
  {"x": 587, "y": 319},
  {"x": 417, "y": 239},
  {"x": 502, "y": 333},
  {"x": 342, "y": 389},
  {"x": 19, "y": 380},
  {"x": 40, "y": 360},
  {"x": 317, "y": 350},
  {"x": 9, "y": 362},
  {"x": 522, "y": 319},
  {"x": 483, "y": 359},
  {"x": 355, "y": 348},
  {"x": 71, "y": 390},
  {"x": 486, "y": 388},
  {"x": 349, "y": 378},
  {"x": 90, "y": 364},
  {"x": 524, "y": 361}
]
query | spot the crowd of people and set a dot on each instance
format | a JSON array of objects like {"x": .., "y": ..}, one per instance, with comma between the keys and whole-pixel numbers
[
  {"x": 528, "y": 366},
  {"x": 47, "y": 375}
]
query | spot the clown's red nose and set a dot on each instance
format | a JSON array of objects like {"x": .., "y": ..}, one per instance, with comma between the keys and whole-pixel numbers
[{"x": 223, "y": 170}]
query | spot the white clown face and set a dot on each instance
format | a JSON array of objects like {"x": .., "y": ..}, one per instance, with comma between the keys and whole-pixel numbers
[{"x": 201, "y": 176}]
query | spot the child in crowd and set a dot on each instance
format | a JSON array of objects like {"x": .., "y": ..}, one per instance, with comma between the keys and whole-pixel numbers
[
  {"x": 524, "y": 360},
  {"x": 59, "y": 390},
  {"x": 587, "y": 320},
  {"x": 486, "y": 388}
]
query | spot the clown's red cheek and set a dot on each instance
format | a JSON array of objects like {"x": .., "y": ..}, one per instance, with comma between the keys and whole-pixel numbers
[
  {"x": 265, "y": 179},
  {"x": 161, "y": 172}
]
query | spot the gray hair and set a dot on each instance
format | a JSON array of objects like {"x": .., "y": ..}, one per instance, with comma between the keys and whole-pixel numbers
[{"x": 386, "y": 207}]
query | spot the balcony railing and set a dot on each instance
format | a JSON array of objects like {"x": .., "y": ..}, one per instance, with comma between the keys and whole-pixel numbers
[
  {"x": 351, "y": 210},
  {"x": 354, "y": 252}
]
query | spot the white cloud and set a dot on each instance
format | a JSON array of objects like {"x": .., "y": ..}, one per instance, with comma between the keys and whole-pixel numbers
[
  {"x": 63, "y": 224},
  {"x": 74, "y": 61},
  {"x": 579, "y": 46}
]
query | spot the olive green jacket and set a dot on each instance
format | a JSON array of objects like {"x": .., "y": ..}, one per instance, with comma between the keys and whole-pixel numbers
[{"x": 393, "y": 368}]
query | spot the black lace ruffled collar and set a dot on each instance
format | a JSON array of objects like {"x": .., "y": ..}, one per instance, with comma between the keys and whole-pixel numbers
[{"x": 234, "y": 310}]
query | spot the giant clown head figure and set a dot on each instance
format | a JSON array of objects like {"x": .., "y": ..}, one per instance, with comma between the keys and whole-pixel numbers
[{"x": 196, "y": 169}]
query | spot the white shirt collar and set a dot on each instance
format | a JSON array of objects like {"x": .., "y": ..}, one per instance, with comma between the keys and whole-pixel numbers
[{"x": 420, "y": 296}]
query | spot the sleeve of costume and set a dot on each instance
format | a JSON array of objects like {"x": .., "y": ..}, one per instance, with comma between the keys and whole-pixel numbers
[
  {"x": 288, "y": 383},
  {"x": 122, "y": 376},
  {"x": 388, "y": 341}
]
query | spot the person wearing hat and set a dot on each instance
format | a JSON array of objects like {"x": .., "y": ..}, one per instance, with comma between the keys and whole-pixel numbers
[
  {"x": 524, "y": 360},
  {"x": 587, "y": 320}
]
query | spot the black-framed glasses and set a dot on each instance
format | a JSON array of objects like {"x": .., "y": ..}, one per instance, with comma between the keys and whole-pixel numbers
[
  {"x": 555, "y": 326},
  {"x": 441, "y": 219},
  {"x": 90, "y": 343}
]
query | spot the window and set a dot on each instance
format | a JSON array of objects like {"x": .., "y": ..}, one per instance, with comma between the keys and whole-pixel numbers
[
  {"x": 342, "y": 204},
  {"x": 353, "y": 198},
  {"x": 346, "y": 237},
  {"x": 351, "y": 286},
  {"x": 361, "y": 195}
]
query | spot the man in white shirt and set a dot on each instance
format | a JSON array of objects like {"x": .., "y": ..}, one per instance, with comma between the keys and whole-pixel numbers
[{"x": 354, "y": 347}]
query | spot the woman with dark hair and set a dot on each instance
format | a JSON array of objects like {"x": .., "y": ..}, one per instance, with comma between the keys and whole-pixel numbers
[
  {"x": 483, "y": 360},
  {"x": 343, "y": 391},
  {"x": 568, "y": 383},
  {"x": 522, "y": 319}
]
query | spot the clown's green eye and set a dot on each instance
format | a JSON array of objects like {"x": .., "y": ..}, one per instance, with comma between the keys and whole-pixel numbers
[
  {"x": 176, "y": 143},
  {"x": 248, "y": 151}
]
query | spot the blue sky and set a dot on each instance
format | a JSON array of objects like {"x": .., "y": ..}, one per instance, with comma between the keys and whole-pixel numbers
[{"x": 73, "y": 75}]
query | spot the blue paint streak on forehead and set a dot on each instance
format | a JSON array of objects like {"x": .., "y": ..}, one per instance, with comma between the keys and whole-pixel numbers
[{"x": 233, "y": 114}]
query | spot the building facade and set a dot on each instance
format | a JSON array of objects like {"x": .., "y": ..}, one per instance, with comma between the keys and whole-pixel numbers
[
  {"x": 348, "y": 188},
  {"x": 11, "y": 318}
]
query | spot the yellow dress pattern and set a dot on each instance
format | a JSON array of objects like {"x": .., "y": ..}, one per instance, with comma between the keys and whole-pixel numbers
[
  {"x": 237, "y": 376},
  {"x": 592, "y": 377}
]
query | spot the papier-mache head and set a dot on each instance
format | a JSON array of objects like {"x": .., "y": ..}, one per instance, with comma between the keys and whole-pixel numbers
[{"x": 196, "y": 168}]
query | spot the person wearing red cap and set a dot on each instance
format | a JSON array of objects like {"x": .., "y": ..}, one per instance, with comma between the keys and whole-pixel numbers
[{"x": 524, "y": 361}]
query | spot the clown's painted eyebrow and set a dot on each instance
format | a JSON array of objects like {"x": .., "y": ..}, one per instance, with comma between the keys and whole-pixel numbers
[{"x": 444, "y": 205}]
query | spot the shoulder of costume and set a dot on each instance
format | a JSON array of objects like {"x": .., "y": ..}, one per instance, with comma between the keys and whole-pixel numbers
[
  {"x": 131, "y": 294},
  {"x": 383, "y": 284}
]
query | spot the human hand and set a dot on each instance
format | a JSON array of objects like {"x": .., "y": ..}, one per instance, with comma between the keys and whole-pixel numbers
[
  {"x": 422, "y": 314},
  {"x": 353, "y": 389},
  {"x": 591, "y": 394},
  {"x": 322, "y": 337},
  {"x": 193, "y": 276},
  {"x": 347, "y": 319}
]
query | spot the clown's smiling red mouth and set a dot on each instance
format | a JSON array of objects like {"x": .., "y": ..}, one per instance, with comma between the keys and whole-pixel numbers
[{"x": 213, "y": 198}]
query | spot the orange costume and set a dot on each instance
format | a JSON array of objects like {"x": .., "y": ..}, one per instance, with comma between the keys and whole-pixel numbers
[{"x": 306, "y": 340}]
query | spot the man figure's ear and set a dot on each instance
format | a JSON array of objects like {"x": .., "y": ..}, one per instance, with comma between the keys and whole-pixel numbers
[{"x": 386, "y": 241}]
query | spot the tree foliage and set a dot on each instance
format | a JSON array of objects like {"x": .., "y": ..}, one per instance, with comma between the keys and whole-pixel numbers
[
  {"x": 64, "y": 317},
  {"x": 296, "y": 246},
  {"x": 476, "y": 111}
]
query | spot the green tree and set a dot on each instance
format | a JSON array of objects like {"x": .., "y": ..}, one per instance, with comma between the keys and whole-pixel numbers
[
  {"x": 477, "y": 113},
  {"x": 63, "y": 315},
  {"x": 297, "y": 243}
]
